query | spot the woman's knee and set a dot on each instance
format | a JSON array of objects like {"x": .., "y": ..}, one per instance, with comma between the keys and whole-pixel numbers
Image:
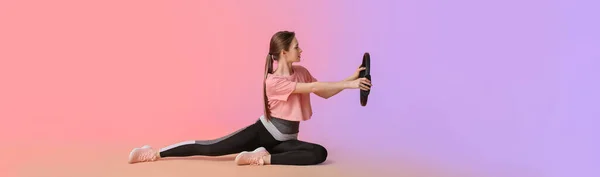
[{"x": 320, "y": 154}]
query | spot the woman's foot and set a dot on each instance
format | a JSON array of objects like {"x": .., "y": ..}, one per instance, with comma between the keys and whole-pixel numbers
[
  {"x": 143, "y": 154},
  {"x": 252, "y": 158}
]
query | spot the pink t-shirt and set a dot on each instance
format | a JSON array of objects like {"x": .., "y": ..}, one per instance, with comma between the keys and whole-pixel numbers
[{"x": 285, "y": 105}]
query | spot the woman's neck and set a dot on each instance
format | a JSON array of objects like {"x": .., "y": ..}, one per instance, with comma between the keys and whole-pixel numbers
[{"x": 284, "y": 69}]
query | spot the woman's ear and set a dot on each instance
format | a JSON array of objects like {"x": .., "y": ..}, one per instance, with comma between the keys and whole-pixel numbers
[{"x": 283, "y": 53}]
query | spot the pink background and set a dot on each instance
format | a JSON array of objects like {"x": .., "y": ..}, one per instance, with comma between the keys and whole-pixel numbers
[{"x": 494, "y": 88}]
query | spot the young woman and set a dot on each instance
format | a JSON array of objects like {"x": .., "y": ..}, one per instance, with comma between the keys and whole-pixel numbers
[{"x": 272, "y": 139}]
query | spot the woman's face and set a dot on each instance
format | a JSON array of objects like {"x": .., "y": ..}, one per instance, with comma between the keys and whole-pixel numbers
[{"x": 294, "y": 52}]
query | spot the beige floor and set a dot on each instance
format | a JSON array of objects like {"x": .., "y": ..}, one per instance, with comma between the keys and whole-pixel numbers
[{"x": 111, "y": 162}]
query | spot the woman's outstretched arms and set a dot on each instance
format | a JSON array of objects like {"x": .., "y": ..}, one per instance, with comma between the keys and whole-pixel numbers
[
  {"x": 328, "y": 89},
  {"x": 329, "y": 92}
]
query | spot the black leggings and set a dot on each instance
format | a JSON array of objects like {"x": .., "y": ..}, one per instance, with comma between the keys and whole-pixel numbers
[{"x": 291, "y": 152}]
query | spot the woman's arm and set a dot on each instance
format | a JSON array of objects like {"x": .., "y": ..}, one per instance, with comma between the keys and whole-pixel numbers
[
  {"x": 332, "y": 92},
  {"x": 315, "y": 87},
  {"x": 328, "y": 89}
]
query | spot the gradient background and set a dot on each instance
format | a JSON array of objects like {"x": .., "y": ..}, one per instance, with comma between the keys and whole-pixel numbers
[{"x": 461, "y": 88}]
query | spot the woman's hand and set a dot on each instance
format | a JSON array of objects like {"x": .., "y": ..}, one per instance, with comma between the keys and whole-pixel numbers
[
  {"x": 356, "y": 74},
  {"x": 361, "y": 83}
]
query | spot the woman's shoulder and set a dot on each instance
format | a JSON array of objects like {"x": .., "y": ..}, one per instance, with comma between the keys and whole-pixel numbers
[
  {"x": 299, "y": 68},
  {"x": 273, "y": 79}
]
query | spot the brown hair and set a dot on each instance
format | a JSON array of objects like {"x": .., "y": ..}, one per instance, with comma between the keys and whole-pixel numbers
[{"x": 281, "y": 40}]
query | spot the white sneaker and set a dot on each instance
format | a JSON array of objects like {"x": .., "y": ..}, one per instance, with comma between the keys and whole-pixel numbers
[
  {"x": 252, "y": 158},
  {"x": 143, "y": 154}
]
